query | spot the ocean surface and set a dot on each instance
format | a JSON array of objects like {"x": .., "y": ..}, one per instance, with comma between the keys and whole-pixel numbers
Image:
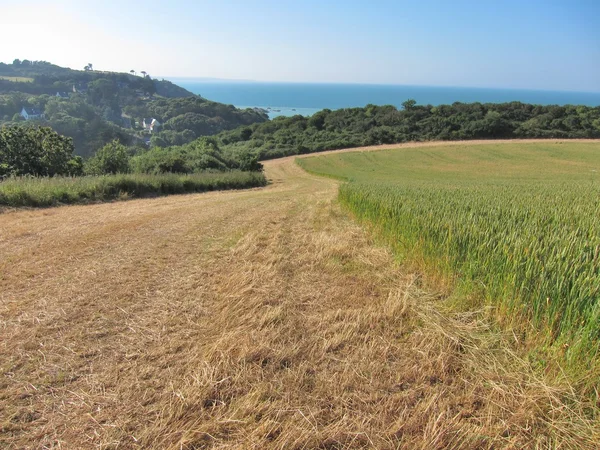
[{"x": 307, "y": 98}]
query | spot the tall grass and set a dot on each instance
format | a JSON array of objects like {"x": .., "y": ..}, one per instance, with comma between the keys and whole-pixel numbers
[
  {"x": 40, "y": 192},
  {"x": 523, "y": 236},
  {"x": 534, "y": 250}
]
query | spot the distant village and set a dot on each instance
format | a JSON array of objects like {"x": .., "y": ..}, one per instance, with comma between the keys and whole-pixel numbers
[{"x": 149, "y": 125}]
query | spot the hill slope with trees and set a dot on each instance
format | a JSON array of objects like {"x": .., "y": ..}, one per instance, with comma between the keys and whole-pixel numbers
[{"x": 95, "y": 107}]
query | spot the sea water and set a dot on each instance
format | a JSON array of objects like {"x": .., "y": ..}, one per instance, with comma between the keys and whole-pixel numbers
[{"x": 307, "y": 98}]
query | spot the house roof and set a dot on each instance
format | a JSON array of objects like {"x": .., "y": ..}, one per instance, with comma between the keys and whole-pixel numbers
[
  {"x": 80, "y": 87},
  {"x": 150, "y": 121},
  {"x": 32, "y": 111}
]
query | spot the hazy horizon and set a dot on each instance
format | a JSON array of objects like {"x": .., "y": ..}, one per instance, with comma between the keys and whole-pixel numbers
[
  {"x": 537, "y": 45},
  {"x": 242, "y": 81}
]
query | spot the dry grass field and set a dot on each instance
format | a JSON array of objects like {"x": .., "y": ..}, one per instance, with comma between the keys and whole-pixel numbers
[{"x": 263, "y": 318}]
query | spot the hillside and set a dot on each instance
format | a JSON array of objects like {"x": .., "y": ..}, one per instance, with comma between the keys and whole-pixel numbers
[
  {"x": 94, "y": 107},
  {"x": 40, "y": 77}
]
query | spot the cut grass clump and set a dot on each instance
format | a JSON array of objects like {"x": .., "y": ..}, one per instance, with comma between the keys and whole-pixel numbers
[
  {"x": 43, "y": 192},
  {"x": 517, "y": 225}
]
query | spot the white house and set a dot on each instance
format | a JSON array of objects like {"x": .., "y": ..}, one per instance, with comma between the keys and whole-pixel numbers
[
  {"x": 80, "y": 87},
  {"x": 62, "y": 94},
  {"x": 150, "y": 125},
  {"x": 31, "y": 113}
]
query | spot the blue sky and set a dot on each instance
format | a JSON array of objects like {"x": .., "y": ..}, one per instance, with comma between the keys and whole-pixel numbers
[{"x": 535, "y": 44}]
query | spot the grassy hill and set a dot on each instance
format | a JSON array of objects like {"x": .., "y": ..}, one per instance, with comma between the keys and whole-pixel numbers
[
  {"x": 510, "y": 227},
  {"x": 45, "y": 78}
]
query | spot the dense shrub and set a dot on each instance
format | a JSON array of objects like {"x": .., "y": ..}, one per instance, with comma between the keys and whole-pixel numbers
[
  {"x": 110, "y": 159},
  {"x": 202, "y": 154}
]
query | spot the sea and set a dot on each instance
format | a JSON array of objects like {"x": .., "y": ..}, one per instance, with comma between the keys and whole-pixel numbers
[{"x": 288, "y": 99}]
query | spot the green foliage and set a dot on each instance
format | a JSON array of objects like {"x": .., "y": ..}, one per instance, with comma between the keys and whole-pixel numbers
[
  {"x": 202, "y": 154},
  {"x": 409, "y": 104},
  {"x": 37, "y": 151},
  {"x": 93, "y": 115},
  {"x": 49, "y": 78},
  {"x": 165, "y": 88},
  {"x": 43, "y": 192},
  {"x": 372, "y": 125},
  {"x": 113, "y": 158},
  {"x": 184, "y": 119},
  {"x": 85, "y": 123},
  {"x": 172, "y": 138},
  {"x": 515, "y": 224},
  {"x": 248, "y": 162}
]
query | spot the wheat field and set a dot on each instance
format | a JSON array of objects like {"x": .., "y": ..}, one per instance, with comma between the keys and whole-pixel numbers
[
  {"x": 264, "y": 319},
  {"x": 511, "y": 226}
]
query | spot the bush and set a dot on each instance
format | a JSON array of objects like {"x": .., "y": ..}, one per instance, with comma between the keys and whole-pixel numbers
[
  {"x": 113, "y": 158},
  {"x": 200, "y": 155}
]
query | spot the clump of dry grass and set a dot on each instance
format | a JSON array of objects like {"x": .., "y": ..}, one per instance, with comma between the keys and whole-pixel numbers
[{"x": 254, "y": 319}]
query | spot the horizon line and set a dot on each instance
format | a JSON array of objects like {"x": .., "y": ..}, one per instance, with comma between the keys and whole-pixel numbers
[{"x": 350, "y": 83}]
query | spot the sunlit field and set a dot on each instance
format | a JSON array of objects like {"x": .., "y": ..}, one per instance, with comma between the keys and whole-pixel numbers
[
  {"x": 513, "y": 226},
  {"x": 260, "y": 318}
]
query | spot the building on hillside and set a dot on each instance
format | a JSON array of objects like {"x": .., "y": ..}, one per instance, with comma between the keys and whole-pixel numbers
[
  {"x": 80, "y": 87},
  {"x": 31, "y": 113},
  {"x": 62, "y": 94},
  {"x": 150, "y": 125}
]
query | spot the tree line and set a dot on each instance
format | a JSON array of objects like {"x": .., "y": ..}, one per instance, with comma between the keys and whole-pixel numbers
[
  {"x": 373, "y": 125},
  {"x": 42, "y": 152}
]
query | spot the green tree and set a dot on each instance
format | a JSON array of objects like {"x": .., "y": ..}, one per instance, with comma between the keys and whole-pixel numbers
[
  {"x": 37, "y": 151},
  {"x": 409, "y": 104},
  {"x": 111, "y": 159}
]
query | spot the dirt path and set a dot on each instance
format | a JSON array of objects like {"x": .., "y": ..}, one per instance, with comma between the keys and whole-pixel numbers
[{"x": 259, "y": 319}]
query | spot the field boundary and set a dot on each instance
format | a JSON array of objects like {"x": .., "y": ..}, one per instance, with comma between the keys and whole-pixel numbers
[{"x": 540, "y": 330}]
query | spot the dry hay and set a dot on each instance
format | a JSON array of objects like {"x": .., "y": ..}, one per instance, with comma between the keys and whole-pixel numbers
[{"x": 255, "y": 319}]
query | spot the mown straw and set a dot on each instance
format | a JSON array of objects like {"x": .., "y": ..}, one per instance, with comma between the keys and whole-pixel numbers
[{"x": 249, "y": 319}]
